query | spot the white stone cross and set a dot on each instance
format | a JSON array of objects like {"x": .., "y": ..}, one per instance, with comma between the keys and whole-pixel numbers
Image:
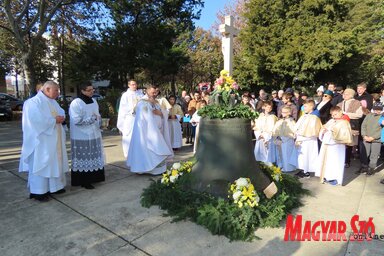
[{"x": 228, "y": 31}]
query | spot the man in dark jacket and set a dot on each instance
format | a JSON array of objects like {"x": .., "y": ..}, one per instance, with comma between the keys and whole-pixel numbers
[
  {"x": 337, "y": 93},
  {"x": 364, "y": 97}
]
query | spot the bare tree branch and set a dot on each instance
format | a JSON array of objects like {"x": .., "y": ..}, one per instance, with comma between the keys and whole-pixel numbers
[
  {"x": 47, "y": 19},
  {"x": 23, "y": 12},
  {"x": 13, "y": 24},
  {"x": 7, "y": 29}
]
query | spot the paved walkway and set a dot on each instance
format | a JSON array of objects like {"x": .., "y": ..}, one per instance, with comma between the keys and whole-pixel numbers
[{"x": 110, "y": 220}]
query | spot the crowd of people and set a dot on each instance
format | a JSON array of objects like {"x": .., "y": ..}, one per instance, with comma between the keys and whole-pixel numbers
[
  {"x": 318, "y": 134},
  {"x": 308, "y": 133}
]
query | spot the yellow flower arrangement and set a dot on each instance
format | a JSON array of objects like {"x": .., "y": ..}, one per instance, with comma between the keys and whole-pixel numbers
[
  {"x": 273, "y": 171},
  {"x": 177, "y": 170},
  {"x": 276, "y": 173},
  {"x": 225, "y": 82},
  {"x": 243, "y": 193}
]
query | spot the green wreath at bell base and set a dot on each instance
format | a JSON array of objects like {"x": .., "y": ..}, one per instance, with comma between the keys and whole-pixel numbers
[{"x": 238, "y": 215}]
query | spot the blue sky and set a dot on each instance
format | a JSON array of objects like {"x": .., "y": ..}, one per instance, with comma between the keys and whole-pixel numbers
[{"x": 208, "y": 13}]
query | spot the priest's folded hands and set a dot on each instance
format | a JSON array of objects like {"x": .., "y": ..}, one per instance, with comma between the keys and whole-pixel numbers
[
  {"x": 60, "y": 119},
  {"x": 157, "y": 112}
]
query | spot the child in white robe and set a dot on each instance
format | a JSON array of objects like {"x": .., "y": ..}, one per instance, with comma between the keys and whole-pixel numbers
[
  {"x": 195, "y": 121},
  {"x": 335, "y": 134},
  {"x": 174, "y": 116},
  {"x": 283, "y": 136},
  {"x": 307, "y": 130},
  {"x": 265, "y": 149}
]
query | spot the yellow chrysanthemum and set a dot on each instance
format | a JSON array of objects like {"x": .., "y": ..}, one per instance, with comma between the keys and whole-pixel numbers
[
  {"x": 229, "y": 80},
  {"x": 243, "y": 193},
  {"x": 224, "y": 72}
]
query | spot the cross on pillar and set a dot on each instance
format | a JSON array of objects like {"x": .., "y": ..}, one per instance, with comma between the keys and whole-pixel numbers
[{"x": 228, "y": 31}]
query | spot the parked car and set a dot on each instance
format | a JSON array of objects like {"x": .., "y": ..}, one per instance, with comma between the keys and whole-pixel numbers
[
  {"x": 14, "y": 102},
  {"x": 5, "y": 111},
  {"x": 67, "y": 97}
]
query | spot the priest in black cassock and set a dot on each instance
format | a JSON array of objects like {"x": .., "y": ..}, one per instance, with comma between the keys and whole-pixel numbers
[{"x": 86, "y": 143}]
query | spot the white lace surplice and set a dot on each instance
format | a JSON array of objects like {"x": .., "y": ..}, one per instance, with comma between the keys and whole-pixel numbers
[{"x": 86, "y": 142}]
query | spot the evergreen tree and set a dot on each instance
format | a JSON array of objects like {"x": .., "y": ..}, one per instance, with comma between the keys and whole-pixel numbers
[{"x": 308, "y": 41}]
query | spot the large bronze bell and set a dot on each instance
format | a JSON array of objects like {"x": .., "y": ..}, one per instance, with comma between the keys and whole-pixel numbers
[{"x": 224, "y": 154}]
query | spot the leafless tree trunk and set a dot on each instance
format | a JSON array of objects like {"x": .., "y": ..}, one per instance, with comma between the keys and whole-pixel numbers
[{"x": 20, "y": 24}]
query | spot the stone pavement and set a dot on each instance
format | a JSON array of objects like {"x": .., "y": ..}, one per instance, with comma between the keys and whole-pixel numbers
[{"x": 109, "y": 220}]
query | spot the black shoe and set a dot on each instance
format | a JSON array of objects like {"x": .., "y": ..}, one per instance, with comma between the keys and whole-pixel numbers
[
  {"x": 61, "y": 191},
  {"x": 382, "y": 181},
  {"x": 300, "y": 173},
  {"x": 39, "y": 197},
  {"x": 362, "y": 170},
  {"x": 88, "y": 186},
  {"x": 303, "y": 174},
  {"x": 370, "y": 172}
]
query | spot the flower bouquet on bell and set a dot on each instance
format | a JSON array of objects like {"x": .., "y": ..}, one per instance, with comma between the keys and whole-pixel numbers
[
  {"x": 226, "y": 90},
  {"x": 225, "y": 100}
]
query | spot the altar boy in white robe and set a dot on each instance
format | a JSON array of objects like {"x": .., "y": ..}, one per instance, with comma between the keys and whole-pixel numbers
[
  {"x": 126, "y": 116},
  {"x": 195, "y": 122},
  {"x": 265, "y": 149},
  {"x": 43, "y": 153},
  {"x": 175, "y": 114},
  {"x": 150, "y": 144},
  {"x": 307, "y": 130},
  {"x": 335, "y": 134}
]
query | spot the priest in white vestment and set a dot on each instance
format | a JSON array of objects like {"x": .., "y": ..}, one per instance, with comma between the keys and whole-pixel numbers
[
  {"x": 126, "y": 116},
  {"x": 43, "y": 153},
  {"x": 150, "y": 144},
  {"x": 86, "y": 142},
  {"x": 335, "y": 134},
  {"x": 175, "y": 114}
]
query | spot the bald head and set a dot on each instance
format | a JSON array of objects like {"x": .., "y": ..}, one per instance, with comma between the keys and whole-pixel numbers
[{"x": 51, "y": 89}]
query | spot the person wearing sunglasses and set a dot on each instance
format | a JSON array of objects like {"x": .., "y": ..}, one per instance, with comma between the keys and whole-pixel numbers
[{"x": 324, "y": 106}]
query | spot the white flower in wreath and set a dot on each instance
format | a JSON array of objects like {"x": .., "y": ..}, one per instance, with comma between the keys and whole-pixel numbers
[
  {"x": 236, "y": 195},
  {"x": 176, "y": 166},
  {"x": 173, "y": 178},
  {"x": 241, "y": 182},
  {"x": 277, "y": 177}
]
